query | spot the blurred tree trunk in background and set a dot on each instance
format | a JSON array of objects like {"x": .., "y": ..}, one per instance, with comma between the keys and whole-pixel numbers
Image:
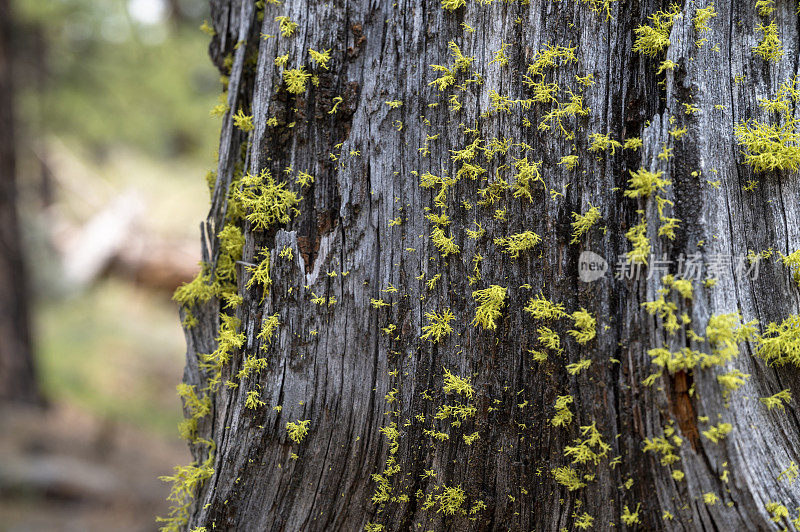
[
  {"x": 354, "y": 276},
  {"x": 17, "y": 376}
]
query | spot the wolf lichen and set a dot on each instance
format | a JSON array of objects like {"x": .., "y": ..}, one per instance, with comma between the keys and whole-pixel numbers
[
  {"x": 792, "y": 261},
  {"x": 185, "y": 481},
  {"x": 517, "y": 243},
  {"x": 652, "y": 39},
  {"x": 455, "y": 384},
  {"x": 701, "y": 18},
  {"x": 717, "y": 432},
  {"x": 583, "y": 222},
  {"x": 265, "y": 202},
  {"x": 490, "y": 302},
  {"x": 297, "y": 430},
  {"x": 567, "y": 477},
  {"x": 665, "y": 445},
  {"x": 320, "y": 58},
  {"x": 732, "y": 381},
  {"x": 770, "y": 47},
  {"x": 591, "y": 448},
  {"x": 452, "y": 5},
  {"x": 438, "y": 325},
  {"x": 563, "y": 415},
  {"x": 243, "y": 121},
  {"x": 527, "y": 174},
  {"x": 296, "y": 79},
  {"x": 253, "y": 400},
  {"x": 228, "y": 339},
  {"x": 268, "y": 327},
  {"x": 196, "y": 407},
  {"x": 286, "y": 26},
  {"x": 451, "y": 499},
  {"x": 628, "y": 517},
  {"x": 461, "y": 63},
  {"x": 769, "y": 147},
  {"x": 777, "y": 400},
  {"x": 780, "y": 343},
  {"x": 585, "y": 326},
  {"x": 643, "y": 183},
  {"x": 637, "y": 235},
  {"x": 602, "y": 142},
  {"x": 542, "y": 308},
  {"x": 577, "y": 367},
  {"x": 444, "y": 243},
  {"x": 260, "y": 272},
  {"x": 549, "y": 339}
]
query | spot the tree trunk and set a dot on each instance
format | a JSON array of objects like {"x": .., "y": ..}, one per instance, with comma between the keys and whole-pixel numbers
[
  {"x": 17, "y": 378},
  {"x": 464, "y": 433}
]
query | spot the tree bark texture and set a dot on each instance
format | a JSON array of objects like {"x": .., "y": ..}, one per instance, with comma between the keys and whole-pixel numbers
[
  {"x": 333, "y": 365},
  {"x": 17, "y": 377}
]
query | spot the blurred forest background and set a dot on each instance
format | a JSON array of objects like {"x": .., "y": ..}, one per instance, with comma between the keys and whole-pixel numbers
[{"x": 113, "y": 139}]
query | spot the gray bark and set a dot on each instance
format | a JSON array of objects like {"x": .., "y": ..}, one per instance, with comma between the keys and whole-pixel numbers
[{"x": 339, "y": 378}]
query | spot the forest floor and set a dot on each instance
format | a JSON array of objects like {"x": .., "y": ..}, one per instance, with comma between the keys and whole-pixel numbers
[{"x": 64, "y": 469}]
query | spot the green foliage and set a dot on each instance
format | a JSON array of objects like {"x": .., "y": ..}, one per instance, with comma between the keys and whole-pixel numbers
[{"x": 111, "y": 81}]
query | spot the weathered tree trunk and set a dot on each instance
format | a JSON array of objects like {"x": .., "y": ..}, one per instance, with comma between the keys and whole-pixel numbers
[
  {"x": 358, "y": 369},
  {"x": 17, "y": 378}
]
